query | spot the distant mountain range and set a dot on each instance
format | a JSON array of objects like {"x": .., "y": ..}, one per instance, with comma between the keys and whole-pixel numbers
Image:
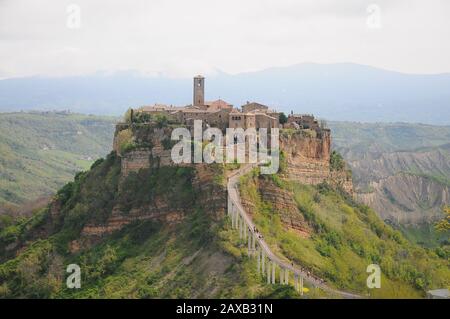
[{"x": 344, "y": 91}]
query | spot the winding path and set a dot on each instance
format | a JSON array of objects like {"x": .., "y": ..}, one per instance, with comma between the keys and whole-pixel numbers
[{"x": 259, "y": 248}]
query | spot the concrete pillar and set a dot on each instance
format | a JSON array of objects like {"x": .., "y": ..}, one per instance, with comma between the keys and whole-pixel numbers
[
  {"x": 263, "y": 261},
  {"x": 268, "y": 271},
  {"x": 240, "y": 227},
  {"x": 301, "y": 285},
  {"x": 245, "y": 229},
  {"x": 249, "y": 244},
  {"x": 281, "y": 276},
  {"x": 296, "y": 282},
  {"x": 286, "y": 276},
  {"x": 258, "y": 257},
  {"x": 273, "y": 272},
  {"x": 253, "y": 241},
  {"x": 232, "y": 216}
]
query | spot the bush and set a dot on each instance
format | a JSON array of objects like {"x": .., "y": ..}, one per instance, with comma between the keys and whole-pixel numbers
[
  {"x": 141, "y": 117},
  {"x": 282, "y": 118},
  {"x": 161, "y": 120},
  {"x": 125, "y": 140},
  {"x": 336, "y": 161}
]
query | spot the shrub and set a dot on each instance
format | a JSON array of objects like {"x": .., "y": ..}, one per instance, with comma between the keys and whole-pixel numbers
[
  {"x": 125, "y": 140},
  {"x": 282, "y": 118},
  {"x": 161, "y": 120},
  {"x": 336, "y": 161}
]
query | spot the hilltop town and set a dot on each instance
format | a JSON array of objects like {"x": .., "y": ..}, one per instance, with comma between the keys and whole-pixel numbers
[
  {"x": 222, "y": 114},
  {"x": 143, "y": 139}
]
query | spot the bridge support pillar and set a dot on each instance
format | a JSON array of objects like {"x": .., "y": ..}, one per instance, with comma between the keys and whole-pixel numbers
[
  {"x": 281, "y": 276},
  {"x": 249, "y": 244},
  {"x": 263, "y": 261},
  {"x": 258, "y": 260},
  {"x": 240, "y": 222},
  {"x": 301, "y": 285},
  {"x": 232, "y": 216},
  {"x": 268, "y": 271},
  {"x": 296, "y": 282},
  {"x": 286, "y": 276},
  {"x": 244, "y": 225},
  {"x": 253, "y": 241},
  {"x": 273, "y": 272}
]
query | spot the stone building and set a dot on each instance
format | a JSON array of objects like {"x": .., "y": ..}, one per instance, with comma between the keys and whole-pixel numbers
[
  {"x": 199, "y": 90},
  {"x": 304, "y": 121},
  {"x": 218, "y": 113}
]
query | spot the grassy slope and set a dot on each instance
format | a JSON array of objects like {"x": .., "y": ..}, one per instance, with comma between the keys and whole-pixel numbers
[
  {"x": 42, "y": 151},
  {"x": 347, "y": 238},
  {"x": 199, "y": 257},
  {"x": 425, "y": 235}
]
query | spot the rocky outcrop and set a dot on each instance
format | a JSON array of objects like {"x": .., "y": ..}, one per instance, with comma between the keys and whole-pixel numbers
[
  {"x": 342, "y": 179},
  {"x": 283, "y": 203},
  {"x": 307, "y": 156},
  {"x": 407, "y": 199},
  {"x": 408, "y": 187},
  {"x": 209, "y": 195}
]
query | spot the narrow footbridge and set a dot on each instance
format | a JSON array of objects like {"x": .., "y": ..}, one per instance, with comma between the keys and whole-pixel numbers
[{"x": 267, "y": 261}]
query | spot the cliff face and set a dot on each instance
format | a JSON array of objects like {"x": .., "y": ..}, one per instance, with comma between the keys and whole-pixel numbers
[
  {"x": 142, "y": 146},
  {"x": 147, "y": 148},
  {"x": 407, "y": 199},
  {"x": 307, "y": 156},
  {"x": 201, "y": 189},
  {"x": 282, "y": 202}
]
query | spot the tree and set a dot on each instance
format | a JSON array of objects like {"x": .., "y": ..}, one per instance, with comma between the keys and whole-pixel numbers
[
  {"x": 128, "y": 117},
  {"x": 282, "y": 118},
  {"x": 161, "y": 120},
  {"x": 444, "y": 224},
  {"x": 336, "y": 161}
]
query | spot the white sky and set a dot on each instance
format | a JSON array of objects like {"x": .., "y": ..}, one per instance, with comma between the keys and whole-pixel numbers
[{"x": 186, "y": 37}]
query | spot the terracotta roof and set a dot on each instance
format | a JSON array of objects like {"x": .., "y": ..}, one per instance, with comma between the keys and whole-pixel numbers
[{"x": 218, "y": 103}]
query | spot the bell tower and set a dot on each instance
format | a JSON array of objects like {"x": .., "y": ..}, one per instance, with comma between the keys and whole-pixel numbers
[{"x": 199, "y": 90}]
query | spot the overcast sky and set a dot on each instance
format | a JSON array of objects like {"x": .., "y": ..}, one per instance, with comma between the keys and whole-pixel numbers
[{"x": 179, "y": 38}]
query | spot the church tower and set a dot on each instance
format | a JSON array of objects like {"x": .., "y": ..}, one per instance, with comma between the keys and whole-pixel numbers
[{"x": 199, "y": 90}]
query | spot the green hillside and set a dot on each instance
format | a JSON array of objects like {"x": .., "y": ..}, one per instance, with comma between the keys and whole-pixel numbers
[
  {"x": 345, "y": 237},
  {"x": 200, "y": 256},
  {"x": 40, "y": 152}
]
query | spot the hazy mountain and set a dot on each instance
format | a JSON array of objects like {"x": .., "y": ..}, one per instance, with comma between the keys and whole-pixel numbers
[{"x": 334, "y": 91}]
